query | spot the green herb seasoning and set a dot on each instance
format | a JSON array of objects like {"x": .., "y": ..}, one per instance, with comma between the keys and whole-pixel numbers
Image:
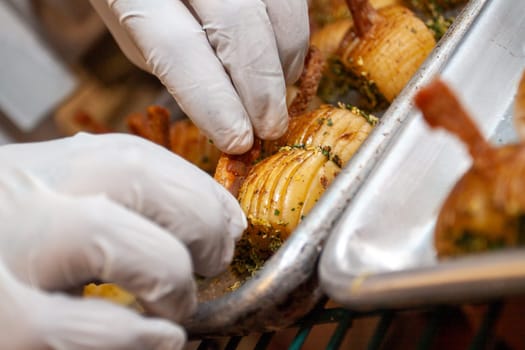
[{"x": 339, "y": 83}]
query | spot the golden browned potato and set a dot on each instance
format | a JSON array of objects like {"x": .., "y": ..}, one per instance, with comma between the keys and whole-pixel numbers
[
  {"x": 388, "y": 51},
  {"x": 281, "y": 189},
  {"x": 341, "y": 130},
  {"x": 112, "y": 292}
]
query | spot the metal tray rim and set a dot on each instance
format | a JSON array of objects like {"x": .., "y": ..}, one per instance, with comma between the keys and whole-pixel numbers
[{"x": 296, "y": 261}]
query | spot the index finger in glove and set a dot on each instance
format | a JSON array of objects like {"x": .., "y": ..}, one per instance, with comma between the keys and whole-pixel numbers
[
  {"x": 176, "y": 49},
  {"x": 241, "y": 33}
]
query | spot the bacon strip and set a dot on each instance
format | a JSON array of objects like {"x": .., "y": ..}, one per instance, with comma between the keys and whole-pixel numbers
[
  {"x": 154, "y": 126},
  {"x": 88, "y": 123},
  {"x": 308, "y": 83}
]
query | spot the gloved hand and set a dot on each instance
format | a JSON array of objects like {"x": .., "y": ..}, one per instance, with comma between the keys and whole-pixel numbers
[
  {"x": 225, "y": 62},
  {"x": 114, "y": 208}
]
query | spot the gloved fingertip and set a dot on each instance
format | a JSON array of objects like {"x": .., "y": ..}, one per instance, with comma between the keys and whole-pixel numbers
[
  {"x": 238, "y": 224},
  {"x": 237, "y": 142},
  {"x": 294, "y": 64},
  {"x": 292, "y": 73},
  {"x": 275, "y": 123}
]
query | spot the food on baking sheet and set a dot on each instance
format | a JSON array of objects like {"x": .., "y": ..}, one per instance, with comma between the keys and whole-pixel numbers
[
  {"x": 113, "y": 293},
  {"x": 486, "y": 208},
  {"x": 324, "y": 12},
  {"x": 190, "y": 143},
  {"x": 154, "y": 125},
  {"x": 281, "y": 189},
  {"x": 181, "y": 136},
  {"x": 438, "y": 15},
  {"x": 232, "y": 169},
  {"x": 278, "y": 182},
  {"x": 376, "y": 57}
]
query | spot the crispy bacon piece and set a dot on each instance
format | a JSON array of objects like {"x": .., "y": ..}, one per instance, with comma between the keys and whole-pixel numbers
[
  {"x": 233, "y": 169},
  {"x": 86, "y": 122},
  {"x": 308, "y": 83},
  {"x": 153, "y": 126},
  {"x": 189, "y": 142}
]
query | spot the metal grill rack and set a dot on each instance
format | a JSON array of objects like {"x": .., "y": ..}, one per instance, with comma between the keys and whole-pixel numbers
[{"x": 342, "y": 320}]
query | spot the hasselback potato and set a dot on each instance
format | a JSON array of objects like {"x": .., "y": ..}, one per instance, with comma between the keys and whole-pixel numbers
[
  {"x": 342, "y": 130},
  {"x": 282, "y": 188},
  {"x": 388, "y": 50}
]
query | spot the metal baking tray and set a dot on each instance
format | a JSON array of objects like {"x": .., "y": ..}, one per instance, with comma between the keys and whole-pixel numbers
[
  {"x": 380, "y": 254},
  {"x": 287, "y": 287}
]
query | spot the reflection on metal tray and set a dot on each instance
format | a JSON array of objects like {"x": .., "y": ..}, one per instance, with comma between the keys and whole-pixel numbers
[
  {"x": 287, "y": 287},
  {"x": 381, "y": 252}
]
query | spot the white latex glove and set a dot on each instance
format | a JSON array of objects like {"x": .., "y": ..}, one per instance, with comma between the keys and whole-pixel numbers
[
  {"x": 114, "y": 208},
  {"x": 226, "y": 62},
  {"x": 32, "y": 319}
]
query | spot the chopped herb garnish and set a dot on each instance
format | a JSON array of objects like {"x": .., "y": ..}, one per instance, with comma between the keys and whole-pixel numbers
[
  {"x": 340, "y": 83},
  {"x": 275, "y": 243},
  {"x": 370, "y": 118},
  {"x": 434, "y": 11},
  {"x": 276, "y": 212},
  {"x": 325, "y": 150}
]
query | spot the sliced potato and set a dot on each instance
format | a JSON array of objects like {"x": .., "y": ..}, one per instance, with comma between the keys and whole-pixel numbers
[
  {"x": 391, "y": 52},
  {"x": 280, "y": 190}
]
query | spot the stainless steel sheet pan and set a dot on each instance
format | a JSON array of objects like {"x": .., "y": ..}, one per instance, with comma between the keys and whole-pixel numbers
[
  {"x": 381, "y": 253},
  {"x": 287, "y": 286}
]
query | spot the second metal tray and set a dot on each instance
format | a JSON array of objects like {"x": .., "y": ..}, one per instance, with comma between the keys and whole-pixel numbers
[
  {"x": 381, "y": 251},
  {"x": 287, "y": 286}
]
